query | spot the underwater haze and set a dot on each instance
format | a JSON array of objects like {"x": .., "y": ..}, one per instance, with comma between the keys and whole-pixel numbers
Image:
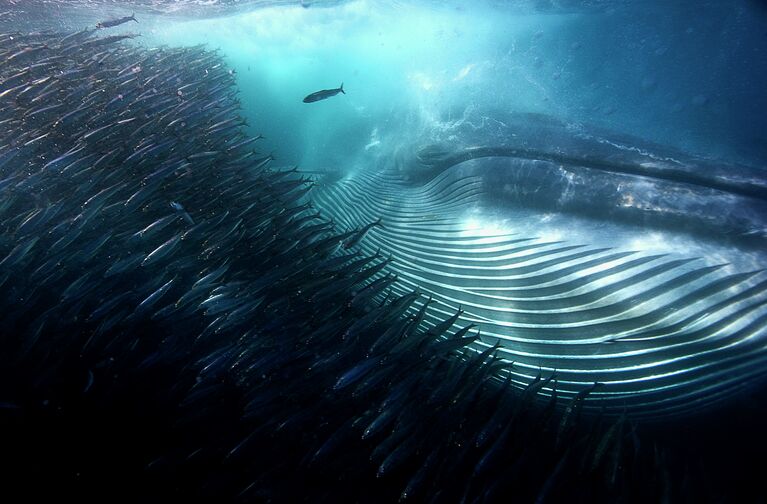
[
  {"x": 368, "y": 251},
  {"x": 688, "y": 75}
]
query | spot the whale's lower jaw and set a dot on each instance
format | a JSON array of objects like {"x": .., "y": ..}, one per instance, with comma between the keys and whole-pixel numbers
[{"x": 661, "y": 320}]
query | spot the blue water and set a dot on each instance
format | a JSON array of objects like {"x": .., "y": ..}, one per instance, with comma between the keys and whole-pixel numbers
[{"x": 690, "y": 75}]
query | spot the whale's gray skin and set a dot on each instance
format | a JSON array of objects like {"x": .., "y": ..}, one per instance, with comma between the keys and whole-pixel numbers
[
  {"x": 691, "y": 197},
  {"x": 553, "y": 165},
  {"x": 652, "y": 285}
]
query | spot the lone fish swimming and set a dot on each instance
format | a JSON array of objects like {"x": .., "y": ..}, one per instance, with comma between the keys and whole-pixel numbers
[
  {"x": 324, "y": 94},
  {"x": 116, "y": 22}
]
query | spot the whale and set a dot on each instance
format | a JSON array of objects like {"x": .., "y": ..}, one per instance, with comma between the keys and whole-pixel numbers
[{"x": 597, "y": 256}]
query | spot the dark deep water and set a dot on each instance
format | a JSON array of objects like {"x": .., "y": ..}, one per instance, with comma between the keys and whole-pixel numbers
[{"x": 577, "y": 189}]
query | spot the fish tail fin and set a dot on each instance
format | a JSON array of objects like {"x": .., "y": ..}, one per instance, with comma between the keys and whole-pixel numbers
[
  {"x": 342, "y": 88},
  {"x": 133, "y": 17},
  {"x": 378, "y": 222}
]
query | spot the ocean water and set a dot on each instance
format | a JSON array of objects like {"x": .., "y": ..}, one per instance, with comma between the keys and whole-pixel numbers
[
  {"x": 581, "y": 186},
  {"x": 639, "y": 68}
]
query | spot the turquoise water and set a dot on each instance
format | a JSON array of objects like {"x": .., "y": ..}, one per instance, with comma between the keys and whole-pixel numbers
[{"x": 693, "y": 81}]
